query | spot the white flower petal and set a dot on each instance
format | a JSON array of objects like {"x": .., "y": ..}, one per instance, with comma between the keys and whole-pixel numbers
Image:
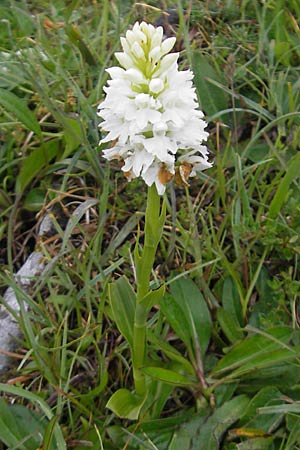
[
  {"x": 151, "y": 110},
  {"x": 167, "y": 45},
  {"x": 124, "y": 59},
  {"x": 156, "y": 85}
]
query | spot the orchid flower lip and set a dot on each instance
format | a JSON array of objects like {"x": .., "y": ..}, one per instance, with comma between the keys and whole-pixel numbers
[{"x": 151, "y": 111}]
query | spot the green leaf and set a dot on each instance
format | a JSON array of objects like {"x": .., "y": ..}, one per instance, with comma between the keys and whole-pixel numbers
[
  {"x": 16, "y": 106},
  {"x": 280, "y": 409},
  {"x": 258, "y": 443},
  {"x": 122, "y": 301},
  {"x": 264, "y": 360},
  {"x": 73, "y": 135},
  {"x": 257, "y": 350},
  {"x": 34, "y": 200},
  {"x": 258, "y": 152},
  {"x": 168, "y": 376},
  {"x": 157, "y": 395},
  {"x": 177, "y": 320},
  {"x": 212, "y": 431},
  {"x": 204, "y": 432},
  {"x": 267, "y": 396},
  {"x": 125, "y": 404},
  {"x": 212, "y": 98},
  {"x": 49, "y": 434},
  {"x": 229, "y": 326},
  {"x": 280, "y": 197},
  {"x": 35, "y": 163},
  {"x": 231, "y": 300},
  {"x": 10, "y": 433},
  {"x": 187, "y": 295},
  {"x": 170, "y": 352},
  {"x": 17, "y": 391},
  {"x": 153, "y": 297}
]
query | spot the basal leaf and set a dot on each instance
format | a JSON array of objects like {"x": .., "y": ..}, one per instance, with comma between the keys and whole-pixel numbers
[
  {"x": 231, "y": 300},
  {"x": 176, "y": 318},
  {"x": 229, "y": 325},
  {"x": 122, "y": 300},
  {"x": 19, "y": 392},
  {"x": 257, "y": 443},
  {"x": 187, "y": 296},
  {"x": 204, "y": 431},
  {"x": 254, "y": 349},
  {"x": 125, "y": 404},
  {"x": 267, "y": 396},
  {"x": 212, "y": 432}
]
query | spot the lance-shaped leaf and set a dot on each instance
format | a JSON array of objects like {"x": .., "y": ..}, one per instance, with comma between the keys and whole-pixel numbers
[
  {"x": 153, "y": 297},
  {"x": 194, "y": 320},
  {"x": 169, "y": 376},
  {"x": 122, "y": 301},
  {"x": 125, "y": 404},
  {"x": 257, "y": 351}
]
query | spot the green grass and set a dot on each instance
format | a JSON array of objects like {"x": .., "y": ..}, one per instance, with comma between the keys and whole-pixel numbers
[{"x": 229, "y": 252}]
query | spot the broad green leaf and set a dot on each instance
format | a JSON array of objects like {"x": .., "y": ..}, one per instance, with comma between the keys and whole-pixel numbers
[
  {"x": 19, "y": 392},
  {"x": 206, "y": 432},
  {"x": 16, "y": 106},
  {"x": 267, "y": 396},
  {"x": 73, "y": 135},
  {"x": 229, "y": 326},
  {"x": 125, "y": 404},
  {"x": 187, "y": 296},
  {"x": 212, "y": 432},
  {"x": 153, "y": 297},
  {"x": 34, "y": 163},
  {"x": 122, "y": 301},
  {"x": 35, "y": 199},
  {"x": 231, "y": 300},
  {"x": 212, "y": 98},
  {"x": 258, "y": 152},
  {"x": 280, "y": 409},
  {"x": 280, "y": 197},
  {"x": 168, "y": 376},
  {"x": 266, "y": 359},
  {"x": 254, "y": 349},
  {"x": 257, "y": 443},
  {"x": 10, "y": 433},
  {"x": 176, "y": 318}
]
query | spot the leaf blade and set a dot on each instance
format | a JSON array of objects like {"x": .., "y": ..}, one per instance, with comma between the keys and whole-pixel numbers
[{"x": 20, "y": 110}]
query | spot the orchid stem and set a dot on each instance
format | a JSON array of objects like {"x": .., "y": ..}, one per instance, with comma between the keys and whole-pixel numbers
[{"x": 144, "y": 261}]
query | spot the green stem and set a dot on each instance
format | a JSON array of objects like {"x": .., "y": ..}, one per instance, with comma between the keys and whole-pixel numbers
[{"x": 144, "y": 260}]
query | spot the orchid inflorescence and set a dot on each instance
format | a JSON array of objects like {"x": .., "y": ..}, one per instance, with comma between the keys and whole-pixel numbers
[{"x": 151, "y": 111}]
